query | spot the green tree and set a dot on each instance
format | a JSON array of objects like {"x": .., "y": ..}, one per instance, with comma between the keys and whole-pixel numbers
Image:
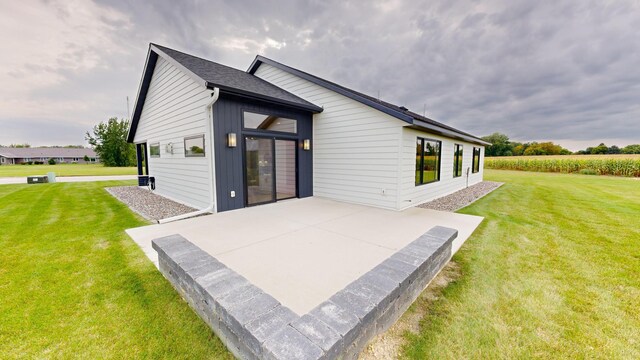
[
  {"x": 500, "y": 145},
  {"x": 109, "y": 140},
  {"x": 631, "y": 149},
  {"x": 600, "y": 149},
  {"x": 86, "y": 158}
]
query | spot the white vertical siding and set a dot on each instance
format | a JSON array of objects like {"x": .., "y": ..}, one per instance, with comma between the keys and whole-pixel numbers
[
  {"x": 355, "y": 147},
  {"x": 410, "y": 194},
  {"x": 174, "y": 109}
]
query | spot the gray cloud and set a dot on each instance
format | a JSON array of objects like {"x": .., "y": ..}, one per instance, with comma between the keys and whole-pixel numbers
[{"x": 559, "y": 70}]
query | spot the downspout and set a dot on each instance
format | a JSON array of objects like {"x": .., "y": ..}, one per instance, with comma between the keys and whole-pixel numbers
[{"x": 212, "y": 208}]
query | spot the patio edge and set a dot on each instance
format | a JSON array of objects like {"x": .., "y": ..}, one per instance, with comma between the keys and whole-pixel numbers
[{"x": 254, "y": 325}]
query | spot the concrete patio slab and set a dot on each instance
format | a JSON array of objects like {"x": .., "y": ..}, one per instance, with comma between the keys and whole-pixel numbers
[{"x": 303, "y": 251}]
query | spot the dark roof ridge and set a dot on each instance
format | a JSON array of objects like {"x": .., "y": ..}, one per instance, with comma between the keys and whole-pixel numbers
[{"x": 393, "y": 110}]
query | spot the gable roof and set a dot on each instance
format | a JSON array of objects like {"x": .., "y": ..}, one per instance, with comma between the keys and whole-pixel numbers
[
  {"x": 414, "y": 120},
  {"x": 53, "y": 152},
  {"x": 211, "y": 75}
]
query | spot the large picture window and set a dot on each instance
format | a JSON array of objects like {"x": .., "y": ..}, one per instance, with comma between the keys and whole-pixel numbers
[
  {"x": 476, "y": 160},
  {"x": 269, "y": 122},
  {"x": 457, "y": 160},
  {"x": 427, "y": 160},
  {"x": 154, "y": 150},
  {"x": 194, "y": 146}
]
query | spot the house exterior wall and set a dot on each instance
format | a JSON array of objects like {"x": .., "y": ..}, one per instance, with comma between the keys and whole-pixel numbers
[
  {"x": 228, "y": 118},
  {"x": 364, "y": 156},
  {"x": 412, "y": 194},
  {"x": 355, "y": 147},
  {"x": 174, "y": 108}
]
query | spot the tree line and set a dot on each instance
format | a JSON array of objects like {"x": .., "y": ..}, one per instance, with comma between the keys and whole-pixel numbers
[{"x": 502, "y": 146}]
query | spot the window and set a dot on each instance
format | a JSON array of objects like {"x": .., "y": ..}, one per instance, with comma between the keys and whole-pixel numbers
[
  {"x": 269, "y": 122},
  {"x": 476, "y": 160},
  {"x": 194, "y": 146},
  {"x": 154, "y": 150},
  {"x": 427, "y": 161},
  {"x": 457, "y": 160},
  {"x": 2, "y": 160}
]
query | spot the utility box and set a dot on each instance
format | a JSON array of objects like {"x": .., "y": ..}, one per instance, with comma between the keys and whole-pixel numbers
[
  {"x": 143, "y": 180},
  {"x": 37, "y": 179},
  {"x": 51, "y": 177}
]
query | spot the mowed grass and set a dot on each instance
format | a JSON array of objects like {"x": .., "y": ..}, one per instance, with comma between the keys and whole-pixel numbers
[
  {"x": 552, "y": 272},
  {"x": 65, "y": 170},
  {"x": 73, "y": 285}
]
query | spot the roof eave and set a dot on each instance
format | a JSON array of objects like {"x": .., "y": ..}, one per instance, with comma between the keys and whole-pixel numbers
[
  {"x": 247, "y": 94},
  {"x": 424, "y": 126},
  {"x": 259, "y": 60}
]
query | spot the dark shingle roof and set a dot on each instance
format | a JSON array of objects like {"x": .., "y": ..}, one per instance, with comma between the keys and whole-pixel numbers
[
  {"x": 399, "y": 112},
  {"x": 234, "y": 80}
]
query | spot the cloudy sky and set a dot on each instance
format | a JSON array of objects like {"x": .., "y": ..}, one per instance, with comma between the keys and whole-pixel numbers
[{"x": 567, "y": 71}]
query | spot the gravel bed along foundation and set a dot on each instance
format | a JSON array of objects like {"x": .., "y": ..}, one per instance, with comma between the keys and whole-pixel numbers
[
  {"x": 147, "y": 204},
  {"x": 461, "y": 198}
]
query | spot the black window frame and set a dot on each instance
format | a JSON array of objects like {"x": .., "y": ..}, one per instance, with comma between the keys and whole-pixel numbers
[
  {"x": 151, "y": 153},
  {"x": 475, "y": 164},
  {"x": 458, "y": 159},
  {"x": 269, "y": 113},
  {"x": 439, "y": 167},
  {"x": 195, "y": 155}
]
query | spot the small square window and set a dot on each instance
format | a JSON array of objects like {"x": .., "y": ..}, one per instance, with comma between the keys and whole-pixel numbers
[
  {"x": 154, "y": 150},
  {"x": 194, "y": 146}
]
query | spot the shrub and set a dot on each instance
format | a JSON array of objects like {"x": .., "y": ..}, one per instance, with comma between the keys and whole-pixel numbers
[
  {"x": 52, "y": 161},
  {"x": 38, "y": 162},
  {"x": 588, "y": 172}
]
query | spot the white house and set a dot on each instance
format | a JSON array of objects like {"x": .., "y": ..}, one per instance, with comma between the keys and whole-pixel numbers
[{"x": 218, "y": 138}]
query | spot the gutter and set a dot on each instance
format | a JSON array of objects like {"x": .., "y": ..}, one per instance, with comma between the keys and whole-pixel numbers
[{"x": 212, "y": 208}]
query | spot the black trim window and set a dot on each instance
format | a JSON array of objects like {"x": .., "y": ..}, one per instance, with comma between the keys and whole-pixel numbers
[
  {"x": 194, "y": 146},
  {"x": 154, "y": 150},
  {"x": 257, "y": 121},
  {"x": 476, "y": 160},
  {"x": 428, "y": 153},
  {"x": 457, "y": 160}
]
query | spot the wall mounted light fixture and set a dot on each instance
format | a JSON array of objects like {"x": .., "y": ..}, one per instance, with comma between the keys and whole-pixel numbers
[
  {"x": 306, "y": 144},
  {"x": 231, "y": 140}
]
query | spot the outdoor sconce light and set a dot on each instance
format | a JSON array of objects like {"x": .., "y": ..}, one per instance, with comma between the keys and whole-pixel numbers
[
  {"x": 231, "y": 140},
  {"x": 306, "y": 144}
]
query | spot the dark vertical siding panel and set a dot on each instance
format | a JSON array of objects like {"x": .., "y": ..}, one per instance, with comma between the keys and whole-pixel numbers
[{"x": 227, "y": 118}]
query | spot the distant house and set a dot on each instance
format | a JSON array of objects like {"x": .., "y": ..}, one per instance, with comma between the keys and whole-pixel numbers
[
  {"x": 218, "y": 138},
  {"x": 12, "y": 156}
]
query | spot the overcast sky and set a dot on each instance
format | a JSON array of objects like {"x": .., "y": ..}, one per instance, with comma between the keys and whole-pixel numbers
[{"x": 567, "y": 71}]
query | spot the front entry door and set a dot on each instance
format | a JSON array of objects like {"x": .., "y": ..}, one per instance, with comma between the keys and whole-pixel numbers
[{"x": 270, "y": 169}]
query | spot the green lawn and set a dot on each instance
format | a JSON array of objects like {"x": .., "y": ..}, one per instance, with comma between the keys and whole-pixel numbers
[
  {"x": 552, "y": 272},
  {"x": 65, "y": 170},
  {"x": 73, "y": 285}
]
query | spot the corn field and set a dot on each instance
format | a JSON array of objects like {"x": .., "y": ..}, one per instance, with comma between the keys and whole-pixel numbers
[{"x": 600, "y": 165}]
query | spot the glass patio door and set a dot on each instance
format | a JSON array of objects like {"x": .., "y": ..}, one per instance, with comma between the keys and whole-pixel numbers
[{"x": 270, "y": 169}]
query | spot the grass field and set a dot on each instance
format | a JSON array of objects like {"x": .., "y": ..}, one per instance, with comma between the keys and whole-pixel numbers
[
  {"x": 615, "y": 165},
  {"x": 73, "y": 285},
  {"x": 64, "y": 170},
  {"x": 552, "y": 272}
]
